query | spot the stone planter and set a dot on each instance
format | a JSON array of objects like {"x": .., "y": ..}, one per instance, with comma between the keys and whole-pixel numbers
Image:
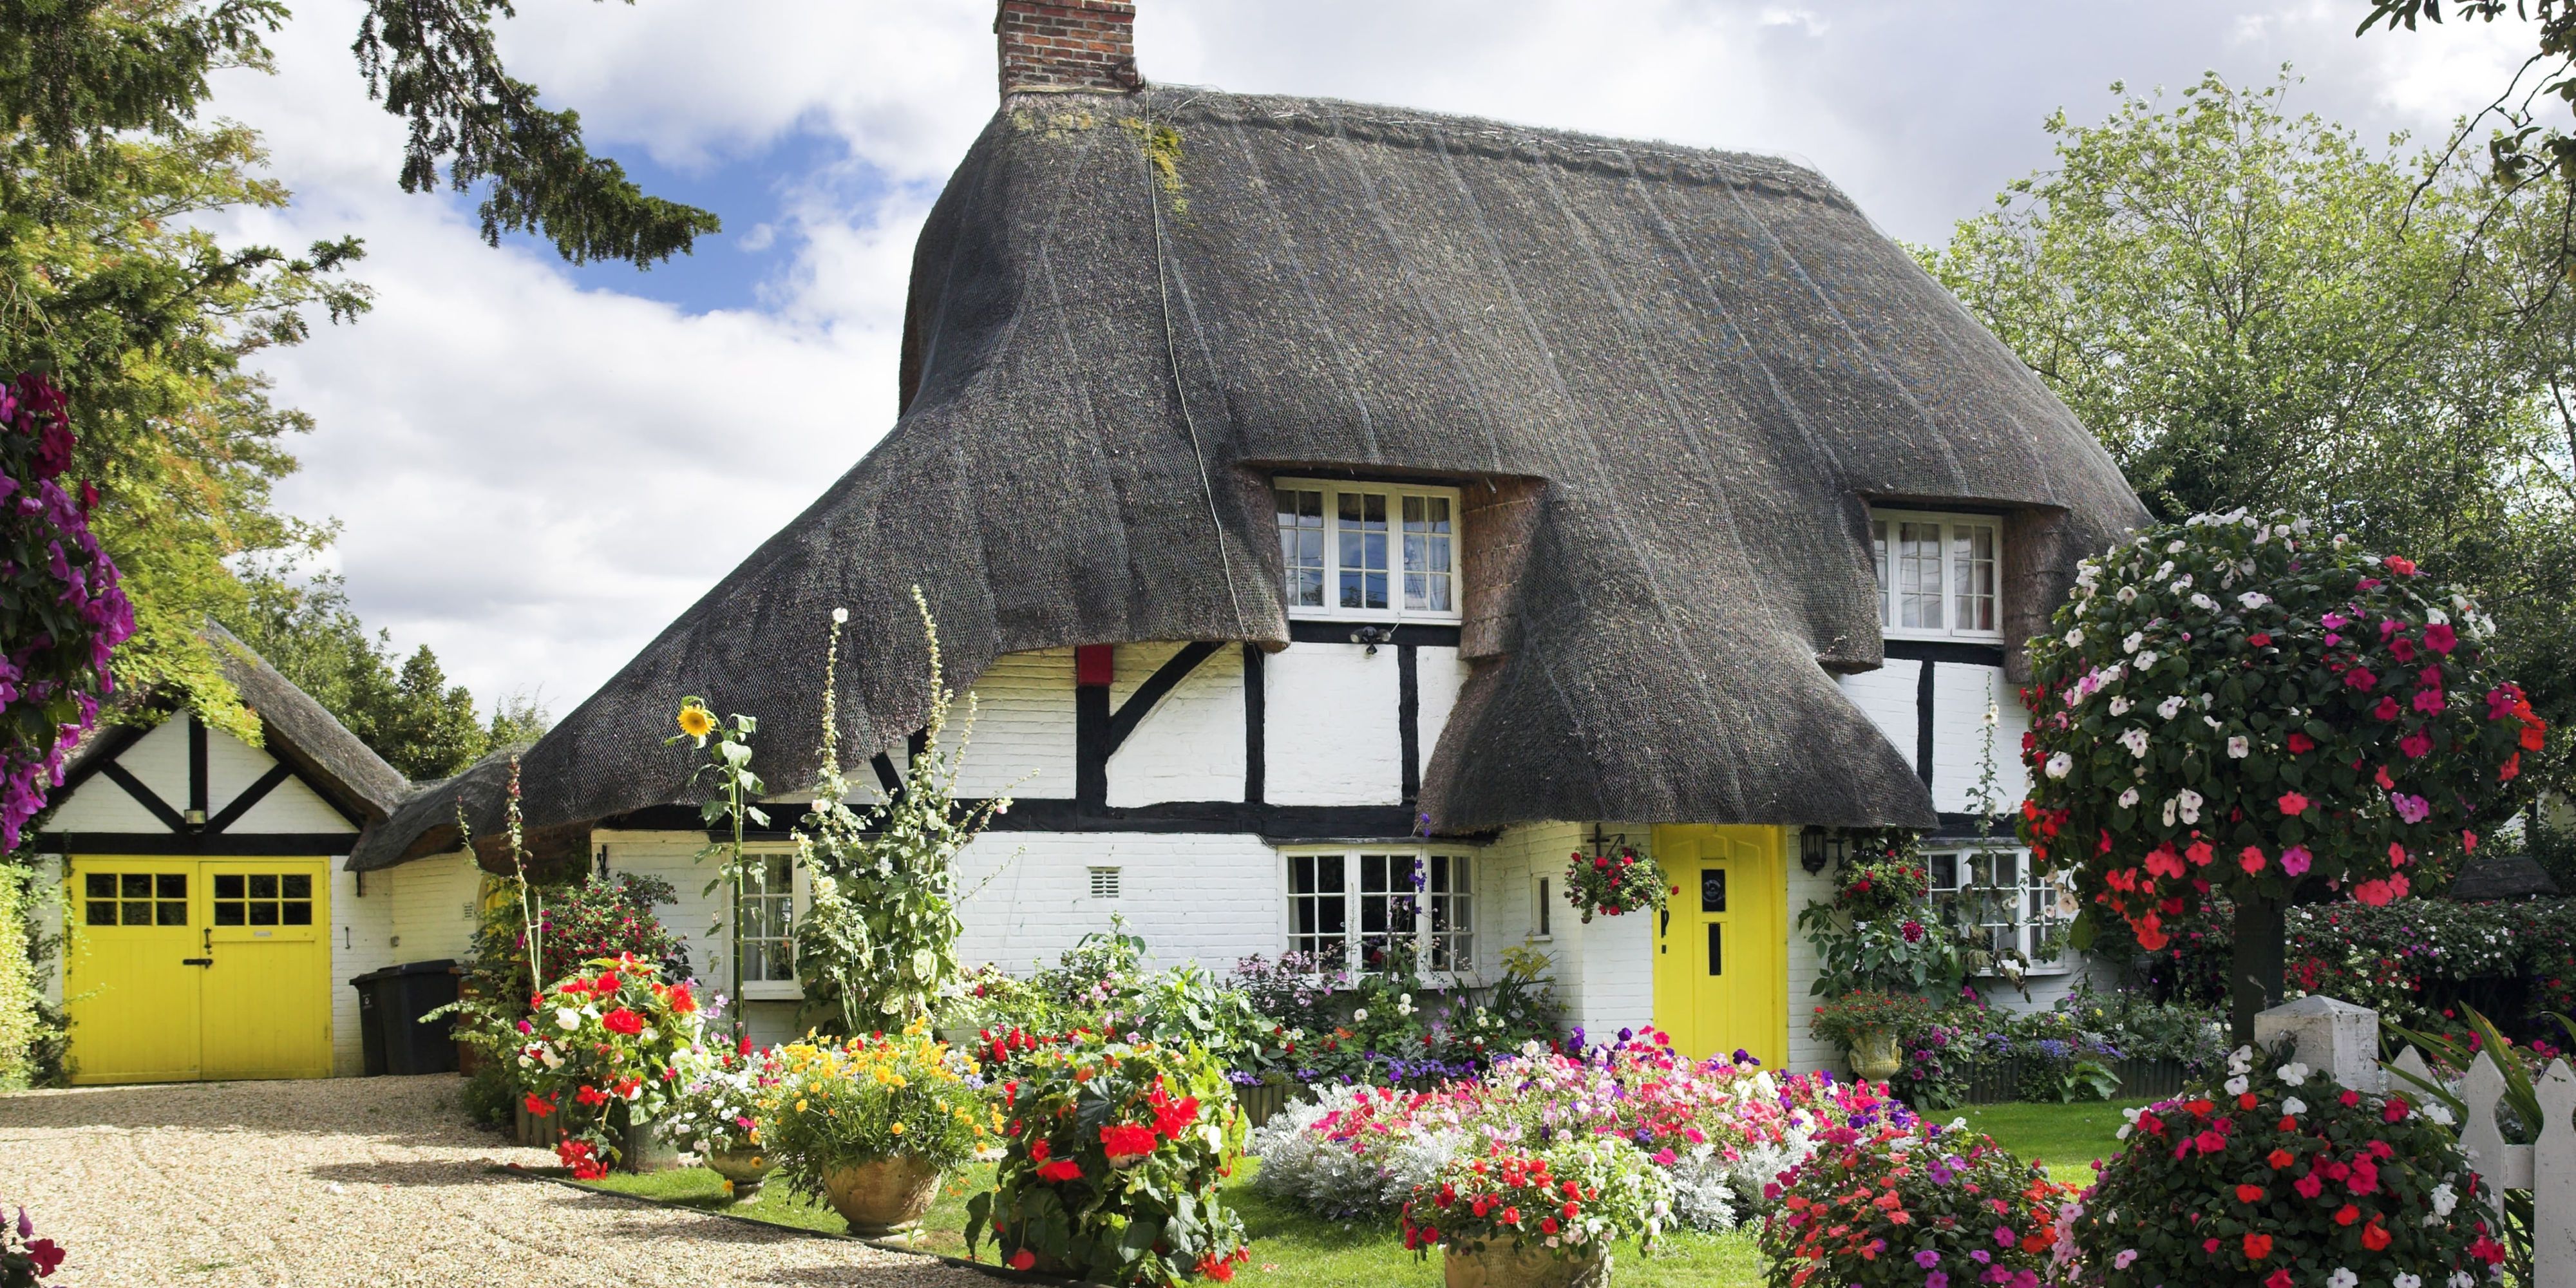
[
  {"x": 883, "y": 1197},
  {"x": 1501, "y": 1265},
  {"x": 747, "y": 1166},
  {"x": 1874, "y": 1055}
]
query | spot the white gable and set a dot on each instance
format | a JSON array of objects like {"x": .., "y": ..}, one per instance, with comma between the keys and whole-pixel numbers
[{"x": 159, "y": 760}]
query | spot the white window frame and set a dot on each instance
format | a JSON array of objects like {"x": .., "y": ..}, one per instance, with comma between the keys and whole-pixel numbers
[
  {"x": 1429, "y": 956},
  {"x": 1958, "y": 533},
  {"x": 800, "y": 897},
  {"x": 1395, "y": 494},
  {"x": 2038, "y": 902}
]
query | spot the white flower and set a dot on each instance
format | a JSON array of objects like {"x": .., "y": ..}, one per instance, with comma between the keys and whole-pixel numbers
[
  {"x": 2075, "y": 638},
  {"x": 2146, "y": 659},
  {"x": 1360, "y": 1016},
  {"x": 567, "y": 1018},
  {"x": 2241, "y": 1060},
  {"x": 2294, "y": 1106},
  {"x": 2134, "y": 639},
  {"x": 2189, "y": 801},
  {"x": 2060, "y": 765},
  {"x": 2126, "y": 594},
  {"x": 2463, "y": 1279},
  {"x": 2438, "y": 1112},
  {"x": 2295, "y": 1073},
  {"x": 2182, "y": 583},
  {"x": 2125, "y": 1129},
  {"x": 2129, "y": 799},
  {"x": 2253, "y": 599},
  {"x": 2238, "y": 747},
  {"x": 2404, "y": 1280},
  {"x": 840, "y": 615},
  {"x": 2173, "y": 549},
  {"x": 2169, "y": 813},
  {"x": 2343, "y": 1278},
  {"x": 2135, "y": 739},
  {"x": 2203, "y": 602},
  {"x": 2111, "y": 674},
  {"x": 2444, "y": 1199},
  {"x": 2170, "y": 707},
  {"x": 2238, "y": 1085},
  {"x": 2119, "y": 706}
]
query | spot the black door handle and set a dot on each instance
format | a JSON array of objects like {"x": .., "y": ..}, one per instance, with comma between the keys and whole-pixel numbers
[
  {"x": 1665, "y": 926},
  {"x": 196, "y": 961}
]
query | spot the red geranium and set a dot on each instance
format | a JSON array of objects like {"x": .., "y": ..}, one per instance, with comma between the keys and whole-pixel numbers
[{"x": 622, "y": 1021}]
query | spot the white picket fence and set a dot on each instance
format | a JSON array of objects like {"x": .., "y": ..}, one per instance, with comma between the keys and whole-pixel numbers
[{"x": 2546, "y": 1167}]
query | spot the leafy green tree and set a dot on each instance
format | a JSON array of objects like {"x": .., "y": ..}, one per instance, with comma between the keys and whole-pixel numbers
[
  {"x": 110, "y": 284},
  {"x": 2256, "y": 309},
  {"x": 406, "y": 711}
]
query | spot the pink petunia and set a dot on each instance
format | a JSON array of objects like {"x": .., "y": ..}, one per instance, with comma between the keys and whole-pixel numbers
[
  {"x": 2295, "y": 860},
  {"x": 2440, "y": 638}
]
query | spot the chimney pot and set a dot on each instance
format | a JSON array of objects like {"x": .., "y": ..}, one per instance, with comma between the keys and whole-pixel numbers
[{"x": 1082, "y": 46}]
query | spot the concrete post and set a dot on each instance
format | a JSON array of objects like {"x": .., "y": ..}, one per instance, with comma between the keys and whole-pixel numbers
[{"x": 2334, "y": 1038}]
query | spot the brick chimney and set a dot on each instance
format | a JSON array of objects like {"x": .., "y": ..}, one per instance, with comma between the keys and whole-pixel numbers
[{"x": 1086, "y": 46}]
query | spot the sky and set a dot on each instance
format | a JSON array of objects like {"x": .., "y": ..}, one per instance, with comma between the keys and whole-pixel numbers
[{"x": 534, "y": 468}]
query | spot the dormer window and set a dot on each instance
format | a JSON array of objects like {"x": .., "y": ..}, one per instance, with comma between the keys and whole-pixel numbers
[
  {"x": 1378, "y": 551},
  {"x": 1939, "y": 575}
]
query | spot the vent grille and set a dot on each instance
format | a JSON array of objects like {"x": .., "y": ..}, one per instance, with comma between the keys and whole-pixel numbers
[{"x": 1104, "y": 883}]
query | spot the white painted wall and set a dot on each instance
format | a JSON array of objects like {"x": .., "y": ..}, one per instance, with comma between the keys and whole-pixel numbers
[
  {"x": 1438, "y": 675},
  {"x": 159, "y": 759},
  {"x": 1332, "y": 736},
  {"x": 1214, "y": 898},
  {"x": 1886, "y": 696},
  {"x": 1023, "y": 738},
  {"x": 1961, "y": 739},
  {"x": 1805, "y": 1051},
  {"x": 1190, "y": 747}
]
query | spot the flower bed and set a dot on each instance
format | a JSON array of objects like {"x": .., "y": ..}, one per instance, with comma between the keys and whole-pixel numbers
[
  {"x": 833, "y": 1105},
  {"x": 1719, "y": 1128},
  {"x": 1912, "y": 1205},
  {"x": 1573, "y": 1199}
]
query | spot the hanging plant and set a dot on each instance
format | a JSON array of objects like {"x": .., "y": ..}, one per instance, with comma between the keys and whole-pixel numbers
[
  {"x": 1614, "y": 883},
  {"x": 59, "y": 596}
]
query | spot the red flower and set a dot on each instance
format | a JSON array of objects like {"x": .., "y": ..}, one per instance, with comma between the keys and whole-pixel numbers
[
  {"x": 2279, "y": 1159},
  {"x": 622, "y": 1021},
  {"x": 2257, "y": 1246},
  {"x": 584, "y": 1162},
  {"x": 47, "y": 1255},
  {"x": 590, "y": 1095},
  {"x": 682, "y": 1001},
  {"x": 2301, "y": 743},
  {"x": 2249, "y": 1193},
  {"x": 1062, "y": 1169},
  {"x": 2259, "y": 639},
  {"x": 1123, "y": 1141},
  {"x": 2279, "y": 1278},
  {"x": 1023, "y": 1259},
  {"x": 2373, "y": 1237},
  {"x": 539, "y": 1106},
  {"x": 2399, "y": 564},
  {"x": 2440, "y": 638},
  {"x": 2293, "y": 804}
]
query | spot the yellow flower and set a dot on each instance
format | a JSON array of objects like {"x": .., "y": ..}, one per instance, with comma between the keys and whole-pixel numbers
[
  {"x": 897, "y": 1129},
  {"x": 800, "y": 1105},
  {"x": 696, "y": 721}
]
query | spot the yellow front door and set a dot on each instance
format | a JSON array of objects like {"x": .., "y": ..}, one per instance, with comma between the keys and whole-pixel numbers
[
  {"x": 267, "y": 1001},
  {"x": 199, "y": 968},
  {"x": 130, "y": 977},
  {"x": 1721, "y": 946}
]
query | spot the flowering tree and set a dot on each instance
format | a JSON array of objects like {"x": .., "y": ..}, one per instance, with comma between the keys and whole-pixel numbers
[
  {"x": 2229, "y": 706},
  {"x": 64, "y": 612}
]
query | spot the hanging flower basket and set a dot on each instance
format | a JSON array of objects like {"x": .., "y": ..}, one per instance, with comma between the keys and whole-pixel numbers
[{"x": 1614, "y": 883}]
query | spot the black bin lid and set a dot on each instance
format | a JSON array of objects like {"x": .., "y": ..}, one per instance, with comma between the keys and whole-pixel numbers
[{"x": 442, "y": 966}]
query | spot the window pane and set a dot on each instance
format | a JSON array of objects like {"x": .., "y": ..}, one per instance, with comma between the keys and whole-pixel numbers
[
  {"x": 1878, "y": 557},
  {"x": 1361, "y": 527},
  {"x": 170, "y": 885},
  {"x": 1301, "y": 546},
  {"x": 228, "y": 885},
  {"x": 228, "y": 912},
  {"x": 1918, "y": 575},
  {"x": 138, "y": 885},
  {"x": 1428, "y": 584},
  {"x": 299, "y": 912},
  {"x": 296, "y": 885},
  {"x": 102, "y": 912},
  {"x": 1972, "y": 573},
  {"x": 172, "y": 912},
  {"x": 263, "y": 885},
  {"x": 263, "y": 913}
]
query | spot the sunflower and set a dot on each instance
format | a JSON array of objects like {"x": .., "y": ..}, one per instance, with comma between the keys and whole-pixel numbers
[{"x": 696, "y": 721}]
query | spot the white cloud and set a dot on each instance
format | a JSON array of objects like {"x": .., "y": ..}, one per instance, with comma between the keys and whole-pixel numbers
[{"x": 536, "y": 474}]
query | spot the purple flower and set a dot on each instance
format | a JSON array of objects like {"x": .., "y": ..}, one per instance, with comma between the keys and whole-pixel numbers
[
  {"x": 1927, "y": 1258},
  {"x": 1937, "y": 1279}
]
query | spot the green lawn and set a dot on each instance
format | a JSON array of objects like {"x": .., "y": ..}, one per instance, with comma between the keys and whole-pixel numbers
[{"x": 1291, "y": 1249}]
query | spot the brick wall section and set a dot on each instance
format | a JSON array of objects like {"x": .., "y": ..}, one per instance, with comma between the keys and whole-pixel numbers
[{"x": 1085, "y": 45}]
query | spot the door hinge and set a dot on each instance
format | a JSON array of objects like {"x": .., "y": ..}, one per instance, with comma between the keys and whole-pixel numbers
[{"x": 196, "y": 961}]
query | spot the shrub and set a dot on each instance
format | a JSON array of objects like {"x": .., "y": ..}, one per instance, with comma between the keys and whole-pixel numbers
[
  {"x": 1911, "y": 1205},
  {"x": 1879, "y": 931},
  {"x": 2227, "y": 705},
  {"x": 19, "y": 998},
  {"x": 594, "y": 919},
  {"x": 1392, "y": 1027},
  {"x": 2279, "y": 1178},
  {"x": 606, "y": 1051},
  {"x": 831, "y": 1105},
  {"x": 1112, "y": 1155},
  {"x": 1613, "y": 885},
  {"x": 1574, "y": 1199}
]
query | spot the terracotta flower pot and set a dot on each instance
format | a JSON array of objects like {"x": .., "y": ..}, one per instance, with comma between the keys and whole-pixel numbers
[
  {"x": 886, "y": 1196},
  {"x": 1501, "y": 1265},
  {"x": 747, "y": 1166},
  {"x": 1874, "y": 1055}
]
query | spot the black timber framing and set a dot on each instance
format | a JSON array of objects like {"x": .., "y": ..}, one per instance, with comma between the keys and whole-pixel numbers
[
  {"x": 1278, "y": 823},
  {"x": 143, "y": 796},
  {"x": 198, "y": 789},
  {"x": 216, "y": 845},
  {"x": 1923, "y": 721},
  {"x": 1156, "y": 687},
  {"x": 1341, "y": 633},
  {"x": 1954, "y": 652},
  {"x": 251, "y": 796},
  {"x": 1408, "y": 718},
  {"x": 1256, "y": 717}
]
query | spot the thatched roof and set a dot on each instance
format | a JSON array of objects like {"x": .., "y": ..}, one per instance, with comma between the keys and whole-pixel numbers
[{"x": 1705, "y": 361}]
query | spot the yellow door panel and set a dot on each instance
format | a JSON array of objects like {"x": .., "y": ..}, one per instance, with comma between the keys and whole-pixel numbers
[
  {"x": 136, "y": 931},
  {"x": 267, "y": 1000},
  {"x": 1721, "y": 947}
]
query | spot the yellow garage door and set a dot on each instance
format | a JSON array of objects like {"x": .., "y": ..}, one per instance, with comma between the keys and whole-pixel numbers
[
  {"x": 1721, "y": 946},
  {"x": 198, "y": 968}
]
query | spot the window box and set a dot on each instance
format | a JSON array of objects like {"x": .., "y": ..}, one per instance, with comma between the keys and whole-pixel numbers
[{"x": 1368, "y": 551}]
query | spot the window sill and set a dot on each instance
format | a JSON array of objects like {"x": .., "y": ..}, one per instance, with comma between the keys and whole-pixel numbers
[
  {"x": 1939, "y": 637},
  {"x": 773, "y": 991}
]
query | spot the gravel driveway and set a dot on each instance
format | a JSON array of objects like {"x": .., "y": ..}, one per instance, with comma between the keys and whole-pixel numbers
[{"x": 370, "y": 1182}]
